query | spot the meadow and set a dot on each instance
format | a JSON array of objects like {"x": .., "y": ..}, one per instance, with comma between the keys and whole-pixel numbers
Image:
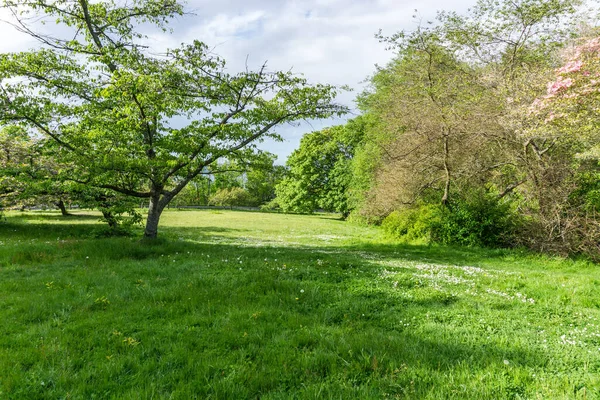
[{"x": 237, "y": 305}]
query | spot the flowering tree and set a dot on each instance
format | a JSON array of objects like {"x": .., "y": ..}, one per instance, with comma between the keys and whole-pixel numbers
[{"x": 570, "y": 109}]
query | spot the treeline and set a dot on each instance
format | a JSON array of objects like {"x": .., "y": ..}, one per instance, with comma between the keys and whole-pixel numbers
[
  {"x": 483, "y": 130},
  {"x": 33, "y": 176},
  {"x": 233, "y": 184}
]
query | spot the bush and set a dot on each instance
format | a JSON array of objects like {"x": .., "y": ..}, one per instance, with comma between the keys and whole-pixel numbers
[
  {"x": 480, "y": 220},
  {"x": 230, "y": 197},
  {"x": 271, "y": 206},
  {"x": 412, "y": 224}
]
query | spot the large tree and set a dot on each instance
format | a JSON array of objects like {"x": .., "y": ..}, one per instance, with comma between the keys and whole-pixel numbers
[
  {"x": 451, "y": 106},
  {"x": 111, "y": 103}
]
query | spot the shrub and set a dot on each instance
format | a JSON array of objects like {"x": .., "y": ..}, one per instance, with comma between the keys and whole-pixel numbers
[
  {"x": 412, "y": 223},
  {"x": 479, "y": 220},
  {"x": 271, "y": 206},
  {"x": 230, "y": 197}
]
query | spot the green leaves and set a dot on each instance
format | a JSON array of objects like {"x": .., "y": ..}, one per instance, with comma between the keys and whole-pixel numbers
[
  {"x": 139, "y": 124},
  {"x": 320, "y": 171}
]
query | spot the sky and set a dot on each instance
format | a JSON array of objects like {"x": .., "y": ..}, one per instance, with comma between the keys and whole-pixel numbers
[{"x": 328, "y": 41}]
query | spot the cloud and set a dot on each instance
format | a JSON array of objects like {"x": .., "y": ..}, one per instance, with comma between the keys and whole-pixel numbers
[{"x": 12, "y": 40}]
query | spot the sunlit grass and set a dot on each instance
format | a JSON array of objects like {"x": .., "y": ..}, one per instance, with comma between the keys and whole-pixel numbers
[{"x": 245, "y": 305}]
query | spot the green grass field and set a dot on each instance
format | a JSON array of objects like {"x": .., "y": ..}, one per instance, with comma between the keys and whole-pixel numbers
[{"x": 236, "y": 305}]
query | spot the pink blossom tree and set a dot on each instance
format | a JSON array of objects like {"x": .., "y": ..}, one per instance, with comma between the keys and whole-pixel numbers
[{"x": 570, "y": 109}]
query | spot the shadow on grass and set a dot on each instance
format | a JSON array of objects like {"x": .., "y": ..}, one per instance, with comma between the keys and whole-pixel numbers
[
  {"x": 355, "y": 331},
  {"x": 171, "y": 231},
  {"x": 45, "y": 228},
  {"x": 54, "y": 217}
]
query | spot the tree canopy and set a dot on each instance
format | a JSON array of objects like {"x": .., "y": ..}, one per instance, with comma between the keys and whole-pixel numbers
[
  {"x": 110, "y": 103},
  {"x": 320, "y": 170}
]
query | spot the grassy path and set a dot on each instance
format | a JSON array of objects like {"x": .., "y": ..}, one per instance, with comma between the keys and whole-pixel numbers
[{"x": 235, "y": 305}]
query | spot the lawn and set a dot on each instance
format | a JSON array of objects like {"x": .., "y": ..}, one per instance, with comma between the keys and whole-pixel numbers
[{"x": 236, "y": 305}]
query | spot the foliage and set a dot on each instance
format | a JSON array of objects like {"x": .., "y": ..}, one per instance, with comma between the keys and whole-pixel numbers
[
  {"x": 262, "y": 179},
  {"x": 452, "y": 116},
  {"x": 271, "y": 206},
  {"x": 196, "y": 193},
  {"x": 412, "y": 224},
  {"x": 587, "y": 189},
  {"x": 481, "y": 219},
  {"x": 320, "y": 170},
  {"x": 429, "y": 103},
  {"x": 450, "y": 106},
  {"x": 569, "y": 107},
  {"x": 110, "y": 103},
  {"x": 231, "y": 197},
  {"x": 16, "y": 155},
  {"x": 33, "y": 175}
]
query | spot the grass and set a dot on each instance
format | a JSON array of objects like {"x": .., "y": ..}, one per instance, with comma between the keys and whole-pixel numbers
[{"x": 234, "y": 305}]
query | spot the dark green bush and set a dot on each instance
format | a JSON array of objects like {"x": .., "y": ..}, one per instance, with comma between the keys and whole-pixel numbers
[{"x": 478, "y": 220}]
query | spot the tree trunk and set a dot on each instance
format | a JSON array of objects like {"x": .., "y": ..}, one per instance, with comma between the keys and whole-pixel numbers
[
  {"x": 154, "y": 212},
  {"x": 61, "y": 206},
  {"x": 446, "y": 196},
  {"x": 110, "y": 219}
]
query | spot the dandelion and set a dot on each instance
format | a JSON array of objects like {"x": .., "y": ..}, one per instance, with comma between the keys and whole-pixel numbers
[
  {"x": 301, "y": 290},
  {"x": 506, "y": 362},
  {"x": 131, "y": 341}
]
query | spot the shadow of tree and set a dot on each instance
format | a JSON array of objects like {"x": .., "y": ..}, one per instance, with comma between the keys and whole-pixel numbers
[{"x": 348, "y": 327}]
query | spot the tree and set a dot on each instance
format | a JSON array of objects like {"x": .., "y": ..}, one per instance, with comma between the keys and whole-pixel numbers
[
  {"x": 33, "y": 175},
  {"x": 110, "y": 103},
  {"x": 450, "y": 106},
  {"x": 15, "y": 158},
  {"x": 569, "y": 109},
  {"x": 263, "y": 178},
  {"x": 431, "y": 131},
  {"x": 230, "y": 197},
  {"x": 319, "y": 171}
]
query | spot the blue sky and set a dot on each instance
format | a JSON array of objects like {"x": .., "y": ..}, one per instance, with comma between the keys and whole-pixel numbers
[{"x": 329, "y": 41}]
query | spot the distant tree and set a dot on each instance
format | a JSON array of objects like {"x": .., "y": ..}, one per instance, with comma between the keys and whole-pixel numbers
[
  {"x": 231, "y": 197},
  {"x": 109, "y": 103},
  {"x": 320, "y": 171},
  {"x": 262, "y": 179},
  {"x": 15, "y": 157},
  {"x": 31, "y": 174}
]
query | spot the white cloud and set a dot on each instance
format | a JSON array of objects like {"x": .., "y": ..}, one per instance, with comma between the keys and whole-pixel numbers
[{"x": 10, "y": 38}]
